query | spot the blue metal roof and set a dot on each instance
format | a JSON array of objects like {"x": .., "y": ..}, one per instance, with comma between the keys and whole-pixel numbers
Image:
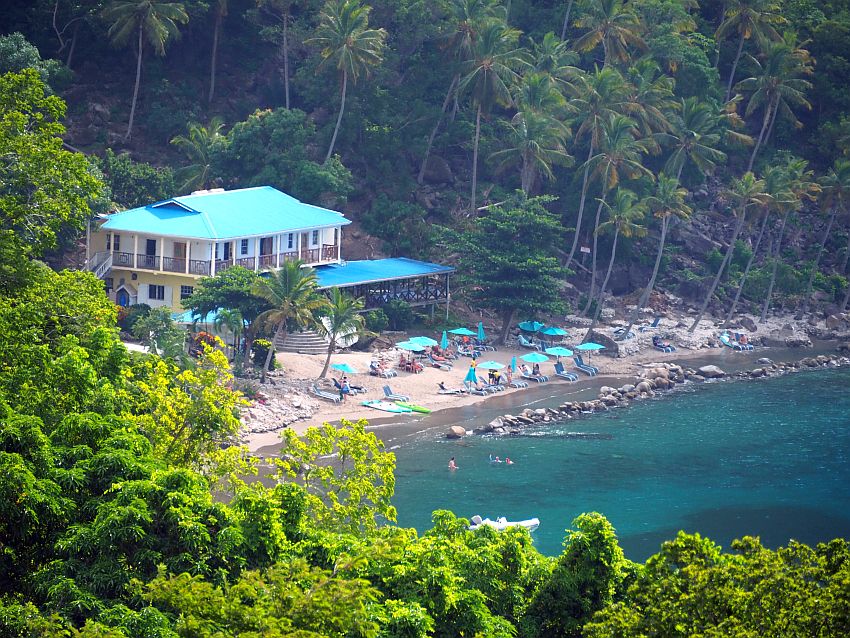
[
  {"x": 354, "y": 273},
  {"x": 247, "y": 212}
]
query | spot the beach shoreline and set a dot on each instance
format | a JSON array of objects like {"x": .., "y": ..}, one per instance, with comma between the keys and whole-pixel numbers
[{"x": 422, "y": 387}]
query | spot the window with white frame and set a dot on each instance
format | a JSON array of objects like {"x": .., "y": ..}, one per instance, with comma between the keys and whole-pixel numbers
[
  {"x": 156, "y": 292},
  {"x": 108, "y": 241},
  {"x": 116, "y": 242},
  {"x": 186, "y": 291},
  {"x": 315, "y": 238},
  {"x": 243, "y": 247}
]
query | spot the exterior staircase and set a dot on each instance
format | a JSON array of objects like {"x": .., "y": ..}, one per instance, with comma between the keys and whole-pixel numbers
[{"x": 306, "y": 342}]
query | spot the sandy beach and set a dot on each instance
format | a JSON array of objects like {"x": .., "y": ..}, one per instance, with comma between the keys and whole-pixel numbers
[{"x": 303, "y": 370}]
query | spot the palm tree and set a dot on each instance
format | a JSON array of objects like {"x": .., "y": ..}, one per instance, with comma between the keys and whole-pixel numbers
[
  {"x": 776, "y": 86},
  {"x": 836, "y": 193},
  {"x": 198, "y": 146},
  {"x": 279, "y": 11},
  {"x": 598, "y": 96},
  {"x": 614, "y": 25},
  {"x": 346, "y": 41},
  {"x": 744, "y": 193},
  {"x": 566, "y": 19},
  {"x": 555, "y": 58},
  {"x": 488, "y": 77},
  {"x": 694, "y": 135},
  {"x": 803, "y": 187},
  {"x": 341, "y": 322},
  {"x": 154, "y": 21},
  {"x": 293, "y": 295},
  {"x": 748, "y": 19},
  {"x": 651, "y": 98},
  {"x": 230, "y": 319},
  {"x": 777, "y": 186},
  {"x": 667, "y": 202},
  {"x": 619, "y": 156},
  {"x": 220, "y": 11},
  {"x": 624, "y": 214},
  {"x": 467, "y": 16},
  {"x": 536, "y": 143}
]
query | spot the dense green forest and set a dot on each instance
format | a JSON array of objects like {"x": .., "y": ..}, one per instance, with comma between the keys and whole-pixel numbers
[
  {"x": 414, "y": 117},
  {"x": 703, "y": 143}
]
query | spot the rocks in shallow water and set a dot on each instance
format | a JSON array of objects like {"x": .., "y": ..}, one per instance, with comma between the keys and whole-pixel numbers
[
  {"x": 764, "y": 361},
  {"x": 712, "y": 372},
  {"x": 456, "y": 432}
]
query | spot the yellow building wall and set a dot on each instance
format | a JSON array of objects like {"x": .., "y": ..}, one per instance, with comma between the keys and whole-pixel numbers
[{"x": 171, "y": 281}]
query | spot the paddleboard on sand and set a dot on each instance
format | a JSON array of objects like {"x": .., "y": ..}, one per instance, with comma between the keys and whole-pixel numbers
[
  {"x": 415, "y": 408},
  {"x": 386, "y": 406}
]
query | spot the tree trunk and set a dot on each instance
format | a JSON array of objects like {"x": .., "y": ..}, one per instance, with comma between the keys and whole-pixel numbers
[
  {"x": 136, "y": 88},
  {"x": 596, "y": 243},
  {"x": 746, "y": 271},
  {"x": 644, "y": 298},
  {"x": 734, "y": 68},
  {"x": 776, "y": 252},
  {"x": 339, "y": 117},
  {"x": 580, "y": 207},
  {"x": 214, "y": 56},
  {"x": 507, "y": 321},
  {"x": 761, "y": 137},
  {"x": 421, "y": 176},
  {"x": 526, "y": 175},
  {"x": 601, "y": 301},
  {"x": 772, "y": 122},
  {"x": 331, "y": 347},
  {"x": 249, "y": 342},
  {"x": 846, "y": 254},
  {"x": 846, "y": 299},
  {"x": 475, "y": 160},
  {"x": 286, "y": 59},
  {"x": 723, "y": 264},
  {"x": 281, "y": 329},
  {"x": 566, "y": 19},
  {"x": 73, "y": 46},
  {"x": 808, "y": 297}
]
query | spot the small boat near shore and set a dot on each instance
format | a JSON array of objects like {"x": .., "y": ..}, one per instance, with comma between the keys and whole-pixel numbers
[
  {"x": 386, "y": 406},
  {"x": 415, "y": 408},
  {"x": 502, "y": 523}
]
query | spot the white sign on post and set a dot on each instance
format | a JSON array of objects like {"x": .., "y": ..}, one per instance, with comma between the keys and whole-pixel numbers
[{"x": 585, "y": 249}]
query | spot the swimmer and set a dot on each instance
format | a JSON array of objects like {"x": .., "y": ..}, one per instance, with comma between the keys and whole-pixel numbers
[
  {"x": 508, "y": 461},
  {"x": 497, "y": 460},
  {"x": 452, "y": 464}
]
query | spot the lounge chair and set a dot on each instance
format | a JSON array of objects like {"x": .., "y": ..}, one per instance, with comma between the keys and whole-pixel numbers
[
  {"x": 539, "y": 378},
  {"x": 560, "y": 371},
  {"x": 651, "y": 326},
  {"x": 376, "y": 371},
  {"x": 473, "y": 390},
  {"x": 482, "y": 345},
  {"x": 526, "y": 343},
  {"x": 588, "y": 369},
  {"x": 442, "y": 365},
  {"x": 455, "y": 391},
  {"x": 745, "y": 345},
  {"x": 490, "y": 387},
  {"x": 468, "y": 351},
  {"x": 324, "y": 394},
  {"x": 393, "y": 396},
  {"x": 621, "y": 335},
  {"x": 659, "y": 344},
  {"x": 516, "y": 383}
]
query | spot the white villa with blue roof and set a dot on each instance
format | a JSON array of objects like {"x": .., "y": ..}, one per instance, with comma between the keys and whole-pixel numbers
[{"x": 155, "y": 254}]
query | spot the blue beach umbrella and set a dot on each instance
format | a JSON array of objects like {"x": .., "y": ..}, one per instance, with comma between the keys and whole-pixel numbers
[
  {"x": 513, "y": 363},
  {"x": 491, "y": 365},
  {"x": 530, "y": 326},
  {"x": 470, "y": 376},
  {"x": 423, "y": 341},
  {"x": 589, "y": 346},
  {"x": 444, "y": 341},
  {"x": 554, "y": 331},
  {"x": 482, "y": 336},
  {"x": 410, "y": 346},
  {"x": 344, "y": 367},
  {"x": 559, "y": 351},
  {"x": 534, "y": 357},
  {"x": 463, "y": 332}
]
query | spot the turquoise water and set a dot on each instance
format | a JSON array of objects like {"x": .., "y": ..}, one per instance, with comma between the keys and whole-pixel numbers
[{"x": 766, "y": 457}]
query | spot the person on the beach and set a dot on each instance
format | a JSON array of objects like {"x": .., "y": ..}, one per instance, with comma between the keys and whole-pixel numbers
[
  {"x": 525, "y": 369},
  {"x": 452, "y": 464},
  {"x": 743, "y": 340},
  {"x": 345, "y": 389},
  {"x": 536, "y": 370}
]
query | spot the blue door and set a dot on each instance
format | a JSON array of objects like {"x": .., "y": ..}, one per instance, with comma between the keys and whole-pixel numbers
[{"x": 122, "y": 298}]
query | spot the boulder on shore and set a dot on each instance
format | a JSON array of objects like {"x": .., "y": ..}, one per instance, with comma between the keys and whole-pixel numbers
[{"x": 711, "y": 372}]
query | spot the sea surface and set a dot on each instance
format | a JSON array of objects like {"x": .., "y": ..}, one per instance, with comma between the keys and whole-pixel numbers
[{"x": 756, "y": 457}]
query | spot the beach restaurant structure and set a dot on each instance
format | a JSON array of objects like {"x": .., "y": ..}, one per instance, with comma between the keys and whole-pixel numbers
[{"x": 155, "y": 254}]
